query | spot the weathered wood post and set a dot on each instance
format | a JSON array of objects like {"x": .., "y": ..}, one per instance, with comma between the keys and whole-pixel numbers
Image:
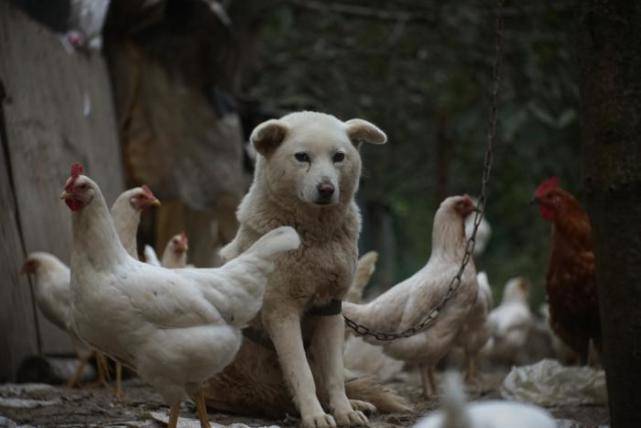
[
  {"x": 56, "y": 108},
  {"x": 610, "y": 55}
]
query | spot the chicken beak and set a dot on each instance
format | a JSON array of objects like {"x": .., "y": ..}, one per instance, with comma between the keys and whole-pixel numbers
[
  {"x": 155, "y": 203},
  {"x": 65, "y": 195},
  {"x": 534, "y": 200}
]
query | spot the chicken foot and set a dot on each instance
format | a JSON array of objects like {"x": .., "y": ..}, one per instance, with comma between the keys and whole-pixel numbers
[{"x": 73, "y": 381}]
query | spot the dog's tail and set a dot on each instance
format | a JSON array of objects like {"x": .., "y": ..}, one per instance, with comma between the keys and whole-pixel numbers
[
  {"x": 383, "y": 398},
  {"x": 364, "y": 271}
]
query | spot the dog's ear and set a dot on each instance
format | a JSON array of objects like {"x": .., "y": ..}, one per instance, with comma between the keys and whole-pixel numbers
[
  {"x": 267, "y": 136},
  {"x": 361, "y": 131}
]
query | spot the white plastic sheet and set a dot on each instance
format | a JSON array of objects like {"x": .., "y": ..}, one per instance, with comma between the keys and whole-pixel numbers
[{"x": 548, "y": 383}]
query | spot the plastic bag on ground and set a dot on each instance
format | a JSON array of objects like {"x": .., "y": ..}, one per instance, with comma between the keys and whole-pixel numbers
[{"x": 548, "y": 383}]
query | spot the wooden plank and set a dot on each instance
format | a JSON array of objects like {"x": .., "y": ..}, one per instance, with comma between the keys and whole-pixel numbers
[
  {"x": 17, "y": 323},
  {"x": 58, "y": 110}
]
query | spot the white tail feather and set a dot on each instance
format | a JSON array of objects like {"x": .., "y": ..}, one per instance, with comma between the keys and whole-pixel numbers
[
  {"x": 364, "y": 270},
  {"x": 150, "y": 256},
  {"x": 276, "y": 241}
]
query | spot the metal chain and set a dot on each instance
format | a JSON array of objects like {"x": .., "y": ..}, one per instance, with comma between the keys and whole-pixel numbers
[{"x": 455, "y": 283}]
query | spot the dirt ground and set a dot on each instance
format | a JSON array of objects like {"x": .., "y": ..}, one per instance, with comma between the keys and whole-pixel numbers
[{"x": 42, "y": 405}]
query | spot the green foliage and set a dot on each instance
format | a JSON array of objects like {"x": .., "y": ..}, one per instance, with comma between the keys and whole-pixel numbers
[{"x": 425, "y": 80}]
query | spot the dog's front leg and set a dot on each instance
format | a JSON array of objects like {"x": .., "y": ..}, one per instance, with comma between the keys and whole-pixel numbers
[
  {"x": 327, "y": 349},
  {"x": 286, "y": 335}
]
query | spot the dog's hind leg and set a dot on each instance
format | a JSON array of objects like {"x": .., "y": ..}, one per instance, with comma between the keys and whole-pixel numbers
[
  {"x": 286, "y": 335},
  {"x": 327, "y": 349}
]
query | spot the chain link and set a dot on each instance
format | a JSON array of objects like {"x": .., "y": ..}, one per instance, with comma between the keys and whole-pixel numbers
[{"x": 455, "y": 283}]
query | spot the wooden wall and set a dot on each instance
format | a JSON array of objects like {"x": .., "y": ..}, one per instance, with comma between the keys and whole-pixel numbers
[{"x": 56, "y": 108}]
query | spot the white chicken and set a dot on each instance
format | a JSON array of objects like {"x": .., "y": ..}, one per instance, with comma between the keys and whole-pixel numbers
[
  {"x": 476, "y": 330},
  {"x": 126, "y": 211},
  {"x": 510, "y": 322},
  {"x": 456, "y": 413},
  {"x": 405, "y": 305},
  {"x": 362, "y": 358},
  {"x": 483, "y": 233},
  {"x": 175, "y": 254},
  {"x": 150, "y": 256},
  {"x": 364, "y": 270},
  {"x": 560, "y": 349},
  {"x": 175, "y": 327},
  {"x": 51, "y": 285},
  {"x": 51, "y": 278}
]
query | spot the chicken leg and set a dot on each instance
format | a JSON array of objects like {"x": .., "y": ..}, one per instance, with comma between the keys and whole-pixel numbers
[
  {"x": 119, "y": 394},
  {"x": 73, "y": 381},
  {"x": 173, "y": 415},
  {"x": 103, "y": 369},
  {"x": 201, "y": 409},
  {"x": 471, "y": 373},
  {"x": 427, "y": 380}
]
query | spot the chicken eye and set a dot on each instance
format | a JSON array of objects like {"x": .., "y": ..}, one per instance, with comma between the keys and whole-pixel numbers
[
  {"x": 338, "y": 157},
  {"x": 302, "y": 157},
  {"x": 83, "y": 186}
]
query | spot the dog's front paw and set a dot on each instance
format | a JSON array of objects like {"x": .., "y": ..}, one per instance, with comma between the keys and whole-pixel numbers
[
  {"x": 364, "y": 406},
  {"x": 355, "y": 418},
  {"x": 319, "y": 421}
]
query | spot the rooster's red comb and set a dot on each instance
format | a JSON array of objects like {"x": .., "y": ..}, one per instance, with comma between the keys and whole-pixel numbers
[
  {"x": 547, "y": 185},
  {"x": 76, "y": 170},
  {"x": 147, "y": 191}
]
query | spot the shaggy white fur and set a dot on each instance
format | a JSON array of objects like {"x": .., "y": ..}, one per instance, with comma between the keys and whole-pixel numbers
[{"x": 307, "y": 173}]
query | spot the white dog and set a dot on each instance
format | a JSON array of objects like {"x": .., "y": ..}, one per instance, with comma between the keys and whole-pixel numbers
[{"x": 307, "y": 173}]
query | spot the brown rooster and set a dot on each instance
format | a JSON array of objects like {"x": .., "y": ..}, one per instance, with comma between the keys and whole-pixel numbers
[{"x": 570, "y": 282}]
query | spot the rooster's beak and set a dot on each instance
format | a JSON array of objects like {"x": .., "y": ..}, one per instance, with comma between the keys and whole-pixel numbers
[
  {"x": 534, "y": 200},
  {"x": 65, "y": 195},
  {"x": 155, "y": 203}
]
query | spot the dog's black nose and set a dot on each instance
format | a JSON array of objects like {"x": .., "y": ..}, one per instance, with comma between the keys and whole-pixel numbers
[{"x": 325, "y": 190}]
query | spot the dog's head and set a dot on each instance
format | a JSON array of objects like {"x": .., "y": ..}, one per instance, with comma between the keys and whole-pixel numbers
[{"x": 313, "y": 157}]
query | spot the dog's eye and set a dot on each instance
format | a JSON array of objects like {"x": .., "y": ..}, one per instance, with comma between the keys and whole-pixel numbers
[
  {"x": 339, "y": 157},
  {"x": 302, "y": 157}
]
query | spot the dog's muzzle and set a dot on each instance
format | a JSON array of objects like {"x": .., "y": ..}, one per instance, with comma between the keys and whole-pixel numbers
[{"x": 325, "y": 193}]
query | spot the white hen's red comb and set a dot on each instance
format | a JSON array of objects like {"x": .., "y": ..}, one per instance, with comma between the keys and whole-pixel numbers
[
  {"x": 76, "y": 170},
  {"x": 147, "y": 192}
]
